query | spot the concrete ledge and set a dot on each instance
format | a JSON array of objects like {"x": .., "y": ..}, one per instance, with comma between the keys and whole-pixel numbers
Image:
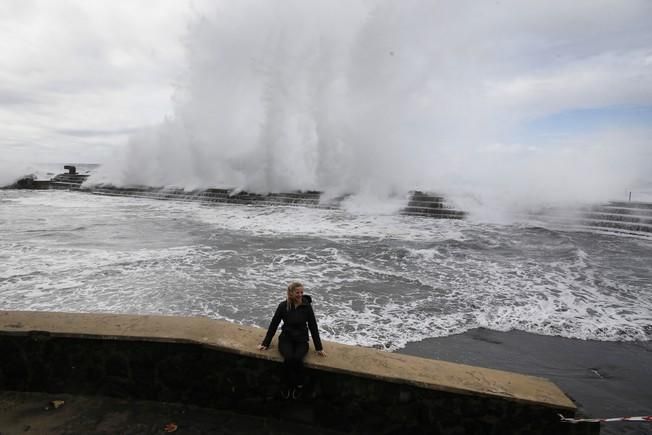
[
  {"x": 187, "y": 353},
  {"x": 242, "y": 340}
]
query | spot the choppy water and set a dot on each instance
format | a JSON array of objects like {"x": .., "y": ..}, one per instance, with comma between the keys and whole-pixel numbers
[{"x": 376, "y": 280}]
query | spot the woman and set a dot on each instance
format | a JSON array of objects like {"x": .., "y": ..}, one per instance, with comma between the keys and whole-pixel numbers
[{"x": 297, "y": 315}]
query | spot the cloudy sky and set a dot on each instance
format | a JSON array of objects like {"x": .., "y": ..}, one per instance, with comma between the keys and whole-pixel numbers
[{"x": 78, "y": 79}]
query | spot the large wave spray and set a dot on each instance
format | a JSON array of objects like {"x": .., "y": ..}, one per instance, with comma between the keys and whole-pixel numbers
[{"x": 391, "y": 96}]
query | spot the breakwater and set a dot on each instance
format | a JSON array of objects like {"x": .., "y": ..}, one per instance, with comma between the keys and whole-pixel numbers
[
  {"x": 417, "y": 203},
  {"x": 632, "y": 217},
  {"x": 627, "y": 218},
  {"x": 214, "y": 364},
  {"x": 619, "y": 217}
]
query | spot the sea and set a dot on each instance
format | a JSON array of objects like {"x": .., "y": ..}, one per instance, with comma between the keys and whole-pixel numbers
[{"x": 381, "y": 280}]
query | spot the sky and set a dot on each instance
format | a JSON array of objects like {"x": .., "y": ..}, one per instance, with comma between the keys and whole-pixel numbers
[
  {"x": 77, "y": 77},
  {"x": 507, "y": 95}
]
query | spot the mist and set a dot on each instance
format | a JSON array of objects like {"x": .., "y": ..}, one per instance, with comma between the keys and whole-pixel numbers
[{"x": 379, "y": 97}]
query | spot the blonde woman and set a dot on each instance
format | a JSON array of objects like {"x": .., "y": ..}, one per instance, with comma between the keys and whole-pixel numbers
[{"x": 298, "y": 317}]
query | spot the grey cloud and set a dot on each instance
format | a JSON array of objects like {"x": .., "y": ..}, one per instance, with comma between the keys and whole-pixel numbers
[
  {"x": 82, "y": 132},
  {"x": 14, "y": 98}
]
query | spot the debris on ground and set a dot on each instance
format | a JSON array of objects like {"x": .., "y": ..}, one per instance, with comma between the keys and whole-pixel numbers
[
  {"x": 170, "y": 427},
  {"x": 54, "y": 404}
]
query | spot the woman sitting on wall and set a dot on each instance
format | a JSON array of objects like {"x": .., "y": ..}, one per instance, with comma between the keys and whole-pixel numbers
[{"x": 298, "y": 316}]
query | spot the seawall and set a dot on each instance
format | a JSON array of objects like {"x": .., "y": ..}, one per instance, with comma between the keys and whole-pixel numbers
[
  {"x": 417, "y": 203},
  {"x": 617, "y": 217},
  {"x": 215, "y": 364}
]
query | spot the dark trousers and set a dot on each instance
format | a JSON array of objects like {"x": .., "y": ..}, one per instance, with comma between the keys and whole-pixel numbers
[{"x": 293, "y": 352}]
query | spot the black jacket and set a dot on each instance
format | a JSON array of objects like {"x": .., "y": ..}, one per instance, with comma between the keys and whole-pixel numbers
[{"x": 296, "y": 322}]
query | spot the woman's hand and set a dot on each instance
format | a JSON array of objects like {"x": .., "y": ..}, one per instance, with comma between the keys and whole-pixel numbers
[
  {"x": 321, "y": 353},
  {"x": 261, "y": 347}
]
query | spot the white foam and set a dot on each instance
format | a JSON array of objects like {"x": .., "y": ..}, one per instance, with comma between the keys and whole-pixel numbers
[
  {"x": 376, "y": 280},
  {"x": 334, "y": 224}
]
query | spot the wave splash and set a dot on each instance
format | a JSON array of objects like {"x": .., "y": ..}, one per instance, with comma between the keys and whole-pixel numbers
[{"x": 376, "y": 98}]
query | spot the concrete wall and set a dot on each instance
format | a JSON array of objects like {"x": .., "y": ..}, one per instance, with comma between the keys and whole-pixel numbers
[
  {"x": 215, "y": 364},
  {"x": 417, "y": 203},
  {"x": 618, "y": 217}
]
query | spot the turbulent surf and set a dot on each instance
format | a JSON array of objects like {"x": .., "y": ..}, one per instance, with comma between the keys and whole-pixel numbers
[{"x": 377, "y": 280}]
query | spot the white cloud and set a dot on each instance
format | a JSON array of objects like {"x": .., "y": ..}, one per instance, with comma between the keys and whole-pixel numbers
[
  {"x": 601, "y": 81},
  {"x": 85, "y": 65}
]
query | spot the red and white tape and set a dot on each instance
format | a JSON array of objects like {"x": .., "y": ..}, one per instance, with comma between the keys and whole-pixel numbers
[{"x": 605, "y": 420}]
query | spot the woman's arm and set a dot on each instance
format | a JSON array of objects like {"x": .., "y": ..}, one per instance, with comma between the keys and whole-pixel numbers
[
  {"x": 273, "y": 326},
  {"x": 314, "y": 330}
]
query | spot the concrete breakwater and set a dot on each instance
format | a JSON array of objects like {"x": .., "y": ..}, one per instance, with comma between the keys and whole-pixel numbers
[
  {"x": 214, "y": 364},
  {"x": 627, "y": 218},
  {"x": 417, "y": 203},
  {"x": 634, "y": 217}
]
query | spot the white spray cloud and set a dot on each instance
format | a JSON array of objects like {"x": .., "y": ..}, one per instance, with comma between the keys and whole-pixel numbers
[{"x": 386, "y": 97}]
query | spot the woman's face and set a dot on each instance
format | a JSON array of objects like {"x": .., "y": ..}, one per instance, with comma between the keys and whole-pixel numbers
[{"x": 298, "y": 294}]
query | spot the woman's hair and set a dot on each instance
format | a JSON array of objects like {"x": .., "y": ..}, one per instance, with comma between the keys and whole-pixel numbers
[{"x": 291, "y": 288}]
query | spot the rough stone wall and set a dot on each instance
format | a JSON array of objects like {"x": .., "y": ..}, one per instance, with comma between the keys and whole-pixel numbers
[{"x": 192, "y": 374}]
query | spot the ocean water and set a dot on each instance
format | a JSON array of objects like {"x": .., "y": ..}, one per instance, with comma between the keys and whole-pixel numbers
[{"x": 376, "y": 279}]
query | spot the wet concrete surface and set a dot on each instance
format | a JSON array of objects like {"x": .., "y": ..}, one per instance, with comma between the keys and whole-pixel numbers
[
  {"x": 605, "y": 379},
  {"x": 33, "y": 413}
]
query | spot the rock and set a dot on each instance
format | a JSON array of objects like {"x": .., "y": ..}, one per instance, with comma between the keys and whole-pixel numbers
[
  {"x": 56, "y": 404},
  {"x": 170, "y": 427}
]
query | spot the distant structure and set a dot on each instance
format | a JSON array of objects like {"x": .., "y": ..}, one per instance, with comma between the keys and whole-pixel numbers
[
  {"x": 621, "y": 217},
  {"x": 71, "y": 169},
  {"x": 68, "y": 180},
  {"x": 625, "y": 218},
  {"x": 418, "y": 203},
  {"x": 29, "y": 182}
]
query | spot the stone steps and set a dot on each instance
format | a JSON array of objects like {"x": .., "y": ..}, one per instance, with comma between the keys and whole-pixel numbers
[
  {"x": 633, "y": 217},
  {"x": 630, "y": 218},
  {"x": 68, "y": 181}
]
